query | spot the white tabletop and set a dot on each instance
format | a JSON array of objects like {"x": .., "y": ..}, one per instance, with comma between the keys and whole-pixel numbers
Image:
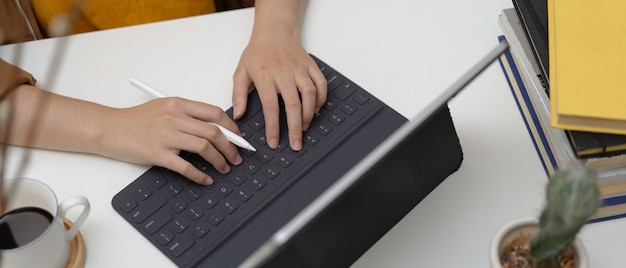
[{"x": 403, "y": 51}]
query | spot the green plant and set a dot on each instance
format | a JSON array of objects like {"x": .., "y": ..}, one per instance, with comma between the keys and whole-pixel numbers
[{"x": 572, "y": 197}]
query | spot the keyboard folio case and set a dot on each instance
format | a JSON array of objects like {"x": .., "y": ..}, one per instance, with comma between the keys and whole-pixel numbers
[{"x": 222, "y": 225}]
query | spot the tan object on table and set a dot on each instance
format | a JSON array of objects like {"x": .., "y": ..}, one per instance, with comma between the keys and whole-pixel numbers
[{"x": 77, "y": 249}]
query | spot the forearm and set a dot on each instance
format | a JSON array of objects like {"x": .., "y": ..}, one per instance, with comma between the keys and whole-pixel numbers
[
  {"x": 45, "y": 120},
  {"x": 278, "y": 17},
  {"x": 152, "y": 133}
]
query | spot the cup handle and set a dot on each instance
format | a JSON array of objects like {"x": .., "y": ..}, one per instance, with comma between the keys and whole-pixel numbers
[{"x": 68, "y": 204}]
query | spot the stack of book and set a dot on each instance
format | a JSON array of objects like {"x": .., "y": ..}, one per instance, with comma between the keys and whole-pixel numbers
[{"x": 558, "y": 147}]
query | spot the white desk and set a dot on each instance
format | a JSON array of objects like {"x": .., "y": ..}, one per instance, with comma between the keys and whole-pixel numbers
[{"x": 403, "y": 51}]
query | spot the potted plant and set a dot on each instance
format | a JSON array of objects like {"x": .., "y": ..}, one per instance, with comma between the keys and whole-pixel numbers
[{"x": 572, "y": 197}]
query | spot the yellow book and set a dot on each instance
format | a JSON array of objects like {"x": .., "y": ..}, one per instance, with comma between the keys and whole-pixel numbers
[{"x": 587, "y": 59}]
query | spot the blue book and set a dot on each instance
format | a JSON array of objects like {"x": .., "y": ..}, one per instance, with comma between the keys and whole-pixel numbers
[
  {"x": 528, "y": 112},
  {"x": 613, "y": 206}
]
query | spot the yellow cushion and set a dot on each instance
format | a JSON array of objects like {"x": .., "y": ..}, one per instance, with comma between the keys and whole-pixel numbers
[{"x": 93, "y": 15}]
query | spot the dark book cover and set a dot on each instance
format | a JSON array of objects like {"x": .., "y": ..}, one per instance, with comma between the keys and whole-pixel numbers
[
  {"x": 589, "y": 144},
  {"x": 533, "y": 14}
]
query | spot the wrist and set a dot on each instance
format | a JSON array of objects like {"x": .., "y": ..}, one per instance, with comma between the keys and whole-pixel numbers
[{"x": 278, "y": 17}]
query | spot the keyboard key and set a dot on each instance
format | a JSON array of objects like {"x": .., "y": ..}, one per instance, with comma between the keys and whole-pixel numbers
[
  {"x": 215, "y": 218},
  {"x": 180, "y": 225},
  {"x": 261, "y": 140},
  {"x": 194, "y": 213},
  {"x": 210, "y": 200},
  {"x": 334, "y": 81},
  {"x": 173, "y": 188},
  {"x": 311, "y": 139},
  {"x": 128, "y": 204},
  {"x": 323, "y": 128},
  {"x": 271, "y": 171},
  {"x": 361, "y": 98},
  {"x": 178, "y": 205},
  {"x": 164, "y": 237},
  {"x": 284, "y": 161},
  {"x": 204, "y": 166},
  {"x": 257, "y": 123},
  {"x": 158, "y": 181},
  {"x": 224, "y": 190},
  {"x": 257, "y": 183},
  {"x": 200, "y": 163},
  {"x": 229, "y": 206},
  {"x": 330, "y": 104},
  {"x": 282, "y": 144},
  {"x": 251, "y": 166},
  {"x": 148, "y": 207},
  {"x": 157, "y": 221},
  {"x": 193, "y": 192},
  {"x": 199, "y": 230},
  {"x": 243, "y": 194},
  {"x": 264, "y": 156},
  {"x": 344, "y": 91},
  {"x": 336, "y": 118},
  {"x": 143, "y": 192},
  {"x": 349, "y": 108},
  {"x": 181, "y": 245},
  {"x": 237, "y": 179}
]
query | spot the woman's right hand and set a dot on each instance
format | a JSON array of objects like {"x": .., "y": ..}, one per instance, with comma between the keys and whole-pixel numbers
[{"x": 157, "y": 131}]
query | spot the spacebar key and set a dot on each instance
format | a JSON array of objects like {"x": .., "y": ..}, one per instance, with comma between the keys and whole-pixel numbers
[{"x": 148, "y": 207}]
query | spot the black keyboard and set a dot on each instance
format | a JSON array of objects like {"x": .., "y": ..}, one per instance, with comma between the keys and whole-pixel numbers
[{"x": 186, "y": 220}]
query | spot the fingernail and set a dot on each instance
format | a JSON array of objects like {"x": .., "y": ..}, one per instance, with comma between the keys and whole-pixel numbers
[
  {"x": 236, "y": 111},
  {"x": 208, "y": 181},
  {"x": 226, "y": 169},
  {"x": 273, "y": 143},
  {"x": 296, "y": 145},
  {"x": 238, "y": 160}
]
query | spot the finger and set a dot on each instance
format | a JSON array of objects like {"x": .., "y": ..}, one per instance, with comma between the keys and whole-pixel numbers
[
  {"x": 308, "y": 95},
  {"x": 241, "y": 87},
  {"x": 207, "y": 151},
  {"x": 202, "y": 136},
  {"x": 293, "y": 109},
  {"x": 209, "y": 142},
  {"x": 223, "y": 145},
  {"x": 321, "y": 85},
  {"x": 215, "y": 158},
  {"x": 186, "y": 169},
  {"x": 209, "y": 113},
  {"x": 271, "y": 110}
]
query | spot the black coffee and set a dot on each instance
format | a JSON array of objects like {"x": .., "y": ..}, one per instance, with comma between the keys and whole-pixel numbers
[{"x": 21, "y": 226}]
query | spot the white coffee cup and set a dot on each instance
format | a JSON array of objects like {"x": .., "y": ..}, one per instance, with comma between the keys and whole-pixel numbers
[{"x": 51, "y": 248}]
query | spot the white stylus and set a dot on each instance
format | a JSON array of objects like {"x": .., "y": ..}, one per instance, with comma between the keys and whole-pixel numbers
[{"x": 232, "y": 137}]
